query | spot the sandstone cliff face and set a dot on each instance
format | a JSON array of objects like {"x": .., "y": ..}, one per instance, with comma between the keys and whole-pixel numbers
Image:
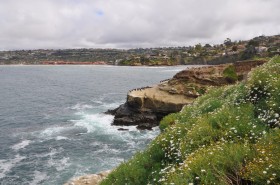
[
  {"x": 92, "y": 179},
  {"x": 146, "y": 106},
  {"x": 157, "y": 100}
]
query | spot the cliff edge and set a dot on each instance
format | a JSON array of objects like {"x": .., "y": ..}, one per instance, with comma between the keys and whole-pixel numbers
[
  {"x": 230, "y": 135},
  {"x": 146, "y": 106}
]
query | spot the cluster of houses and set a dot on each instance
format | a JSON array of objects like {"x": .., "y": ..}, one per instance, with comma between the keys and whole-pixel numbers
[
  {"x": 260, "y": 45},
  {"x": 159, "y": 56}
]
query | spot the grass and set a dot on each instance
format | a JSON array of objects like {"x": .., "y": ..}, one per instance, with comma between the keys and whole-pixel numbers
[
  {"x": 230, "y": 135},
  {"x": 230, "y": 74}
]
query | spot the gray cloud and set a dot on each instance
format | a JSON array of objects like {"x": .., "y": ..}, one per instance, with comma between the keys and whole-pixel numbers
[{"x": 31, "y": 24}]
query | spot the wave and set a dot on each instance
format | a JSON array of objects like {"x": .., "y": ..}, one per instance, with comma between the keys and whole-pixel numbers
[
  {"x": 53, "y": 132},
  {"x": 81, "y": 106},
  {"x": 100, "y": 125},
  {"x": 59, "y": 164},
  {"x": 21, "y": 145},
  {"x": 7, "y": 165},
  {"x": 92, "y": 122},
  {"x": 58, "y": 138},
  {"x": 96, "y": 104},
  {"x": 38, "y": 177}
]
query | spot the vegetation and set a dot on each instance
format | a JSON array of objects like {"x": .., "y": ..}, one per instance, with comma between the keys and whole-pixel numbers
[
  {"x": 230, "y": 74},
  {"x": 230, "y": 135},
  {"x": 227, "y": 52}
]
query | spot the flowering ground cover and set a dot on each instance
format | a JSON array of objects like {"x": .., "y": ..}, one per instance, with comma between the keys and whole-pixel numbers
[{"x": 230, "y": 135}]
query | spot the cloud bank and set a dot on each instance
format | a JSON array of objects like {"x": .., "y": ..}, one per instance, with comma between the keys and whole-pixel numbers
[{"x": 33, "y": 24}]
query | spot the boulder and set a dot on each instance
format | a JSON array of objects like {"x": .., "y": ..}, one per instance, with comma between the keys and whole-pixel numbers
[{"x": 92, "y": 179}]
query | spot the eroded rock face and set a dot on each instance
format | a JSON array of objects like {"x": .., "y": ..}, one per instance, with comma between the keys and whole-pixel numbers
[
  {"x": 146, "y": 106},
  {"x": 126, "y": 115},
  {"x": 92, "y": 179}
]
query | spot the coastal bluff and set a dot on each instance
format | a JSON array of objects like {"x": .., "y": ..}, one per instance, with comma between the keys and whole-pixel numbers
[{"x": 146, "y": 106}]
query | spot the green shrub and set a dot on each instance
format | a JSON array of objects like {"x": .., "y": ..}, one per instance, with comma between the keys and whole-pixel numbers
[
  {"x": 264, "y": 92},
  {"x": 264, "y": 167},
  {"x": 216, "y": 164},
  {"x": 138, "y": 170},
  {"x": 230, "y": 74},
  {"x": 230, "y": 135},
  {"x": 167, "y": 120}
]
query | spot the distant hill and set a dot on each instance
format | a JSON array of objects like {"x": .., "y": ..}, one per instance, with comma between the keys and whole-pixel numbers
[{"x": 226, "y": 52}]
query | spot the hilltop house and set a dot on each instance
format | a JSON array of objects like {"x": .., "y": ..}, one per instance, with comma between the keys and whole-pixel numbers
[{"x": 261, "y": 49}]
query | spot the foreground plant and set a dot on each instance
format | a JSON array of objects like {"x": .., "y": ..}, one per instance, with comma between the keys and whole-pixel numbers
[{"x": 228, "y": 136}]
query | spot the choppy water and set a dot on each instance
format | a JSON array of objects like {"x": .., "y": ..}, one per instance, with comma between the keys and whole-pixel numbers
[{"x": 51, "y": 123}]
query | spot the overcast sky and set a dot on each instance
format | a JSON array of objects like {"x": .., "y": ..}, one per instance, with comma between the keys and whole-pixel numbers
[{"x": 34, "y": 24}]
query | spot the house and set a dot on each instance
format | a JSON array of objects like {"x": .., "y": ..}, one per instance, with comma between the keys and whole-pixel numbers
[{"x": 261, "y": 49}]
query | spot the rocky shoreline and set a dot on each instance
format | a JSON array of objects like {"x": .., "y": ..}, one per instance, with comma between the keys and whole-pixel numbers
[
  {"x": 92, "y": 179},
  {"x": 145, "y": 107}
]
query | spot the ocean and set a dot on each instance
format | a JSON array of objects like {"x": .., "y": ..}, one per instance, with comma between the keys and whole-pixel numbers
[{"x": 52, "y": 125}]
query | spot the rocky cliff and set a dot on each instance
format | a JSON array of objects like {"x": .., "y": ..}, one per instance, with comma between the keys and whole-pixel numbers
[
  {"x": 92, "y": 179},
  {"x": 146, "y": 106}
]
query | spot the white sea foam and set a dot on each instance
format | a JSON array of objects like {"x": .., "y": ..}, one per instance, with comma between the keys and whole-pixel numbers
[
  {"x": 61, "y": 138},
  {"x": 111, "y": 105},
  {"x": 7, "y": 165},
  {"x": 62, "y": 164},
  {"x": 101, "y": 104},
  {"x": 48, "y": 132},
  {"x": 81, "y": 106},
  {"x": 102, "y": 124},
  {"x": 21, "y": 145},
  {"x": 95, "y": 104},
  {"x": 99, "y": 101},
  {"x": 57, "y": 133},
  {"x": 106, "y": 149},
  {"x": 59, "y": 164},
  {"x": 38, "y": 177},
  {"x": 53, "y": 152},
  {"x": 94, "y": 121}
]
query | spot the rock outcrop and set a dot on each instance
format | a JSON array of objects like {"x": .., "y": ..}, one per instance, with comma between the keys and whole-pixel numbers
[
  {"x": 92, "y": 179},
  {"x": 146, "y": 106}
]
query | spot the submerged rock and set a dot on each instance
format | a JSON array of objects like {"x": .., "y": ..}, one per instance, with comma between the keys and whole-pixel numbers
[{"x": 123, "y": 129}]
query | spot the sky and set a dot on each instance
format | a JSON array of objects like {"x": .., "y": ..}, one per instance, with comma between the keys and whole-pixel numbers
[{"x": 123, "y": 24}]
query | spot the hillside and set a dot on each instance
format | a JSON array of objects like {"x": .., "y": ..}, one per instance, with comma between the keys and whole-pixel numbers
[
  {"x": 227, "y": 52},
  {"x": 146, "y": 106},
  {"x": 230, "y": 135}
]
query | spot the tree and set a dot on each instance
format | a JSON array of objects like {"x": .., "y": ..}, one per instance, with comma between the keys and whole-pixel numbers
[
  {"x": 228, "y": 42},
  {"x": 198, "y": 47},
  {"x": 253, "y": 43},
  {"x": 234, "y": 48}
]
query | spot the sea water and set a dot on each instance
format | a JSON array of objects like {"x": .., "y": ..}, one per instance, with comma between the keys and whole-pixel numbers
[{"x": 52, "y": 125}]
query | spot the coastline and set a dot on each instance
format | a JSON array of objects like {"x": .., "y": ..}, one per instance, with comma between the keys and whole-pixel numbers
[
  {"x": 223, "y": 134},
  {"x": 92, "y": 179},
  {"x": 80, "y": 64}
]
